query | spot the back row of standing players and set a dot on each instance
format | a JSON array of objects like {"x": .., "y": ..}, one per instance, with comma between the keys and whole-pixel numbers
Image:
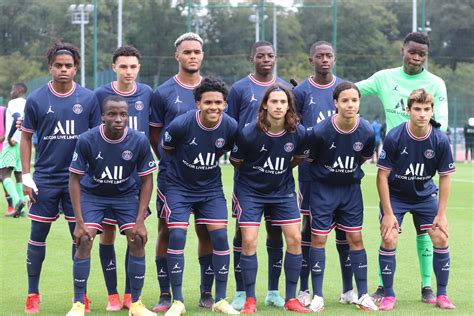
[{"x": 48, "y": 112}]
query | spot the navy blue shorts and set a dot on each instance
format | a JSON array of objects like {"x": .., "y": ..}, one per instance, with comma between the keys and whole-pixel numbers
[
  {"x": 109, "y": 216},
  {"x": 123, "y": 209},
  {"x": 208, "y": 209},
  {"x": 49, "y": 200},
  {"x": 282, "y": 211},
  {"x": 304, "y": 195},
  {"x": 336, "y": 205},
  {"x": 235, "y": 205},
  {"x": 423, "y": 211}
]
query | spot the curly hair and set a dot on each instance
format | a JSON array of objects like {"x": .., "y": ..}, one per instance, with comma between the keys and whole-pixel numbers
[{"x": 60, "y": 48}]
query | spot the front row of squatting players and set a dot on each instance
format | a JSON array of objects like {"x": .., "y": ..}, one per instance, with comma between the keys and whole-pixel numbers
[{"x": 112, "y": 168}]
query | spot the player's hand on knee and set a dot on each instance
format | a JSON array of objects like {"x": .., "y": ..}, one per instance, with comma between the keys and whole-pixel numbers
[
  {"x": 139, "y": 230},
  {"x": 441, "y": 223},
  {"x": 18, "y": 122},
  {"x": 81, "y": 230},
  {"x": 388, "y": 224},
  {"x": 28, "y": 192}
]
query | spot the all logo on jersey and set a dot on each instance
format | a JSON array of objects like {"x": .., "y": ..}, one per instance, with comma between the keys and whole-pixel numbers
[
  {"x": 344, "y": 164},
  {"x": 220, "y": 142},
  {"x": 429, "y": 153},
  {"x": 358, "y": 146},
  {"x": 139, "y": 105},
  {"x": 111, "y": 175},
  {"x": 415, "y": 171},
  {"x": 206, "y": 161},
  {"x": 77, "y": 108},
  {"x": 322, "y": 117},
  {"x": 127, "y": 155},
  {"x": 289, "y": 147},
  {"x": 133, "y": 122},
  {"x": 272, "y": 166},
  {"x": 63, "y": 130}
]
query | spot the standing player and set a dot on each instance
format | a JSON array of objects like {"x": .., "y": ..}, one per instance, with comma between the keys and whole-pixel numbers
[
  {"x": 108, "y": 156},
  {"x": 59, "y": 112},
  {"x": 244, "y": 100},
  {"x": 314, "y": 103},
  {"x": 126, "y": 64},
  {"x": 10, "y": 156},
  {"x": 265, "y": 153},
  {"x": 338, "y": 147},
  {"x": 411, "y": 155},
  {"x": 393, "y": 86},
  {"x": 196, "y": 140},
  {"x": 171, "y": 99}
]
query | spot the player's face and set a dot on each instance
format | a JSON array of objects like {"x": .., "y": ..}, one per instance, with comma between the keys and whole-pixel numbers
[
  {"x": 63, "y": 69},
  {"x": 414, "y": 56},
  {"x": 14, "y": 92},
  {"x": 420, "y": 114},
  {"x": 277, "y": 105},
  {"x": 212, "y": 105},
  {"x": 115, "y": 116},
  {"x": 348, "y": 103},
  {"x": 323, "y": 59},
  {"x": 189, "y": 55},
  {"x": 126, "y": 68},
  {"x": 264, "y": 60}
]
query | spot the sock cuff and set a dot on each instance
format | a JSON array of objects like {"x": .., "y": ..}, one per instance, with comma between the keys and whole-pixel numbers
[
  {"x": 423, "y": 237},
  {"x": 387, "y": 252},
  {"x": 250, "y": 262},
  {"x": 79, "y": 261},
  {"x": 136, "y": 259},
  {"x": 293, "y": 256},
  {"x": 318, "y": 250},
  {"x": 441, "y": 250},
  {"x": 357, "y": 252},
  {"x": 275, "y": 244},
  {"x": 106, "y": 247}
]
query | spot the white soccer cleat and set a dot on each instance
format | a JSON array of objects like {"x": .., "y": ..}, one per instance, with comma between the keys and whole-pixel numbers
[
  {"x": 317, "y": 305},
  {"x": 366, "y": 303},
  {"x": 304, "y": 297},
  {"x": 349, "y": 297}
]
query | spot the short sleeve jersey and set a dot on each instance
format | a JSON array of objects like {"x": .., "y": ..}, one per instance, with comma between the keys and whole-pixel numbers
[
  {"x": 58, "y": 119},
  {"x": 194, "y": 165},
  {"x": 138, "y": 99},
  {"x": 15, "y": 106},
  {"x": 245, "y": 96},
  {"x": 314, "y": 104},
  {"x": 413, "y": 161},
  {"x": 393, "y": 86},
  {"x": 109, "y": 165},
  {"x": 336, "y": 155},
  {"x": 266, "y": 160},
  {"x": 170, "y": 100}
]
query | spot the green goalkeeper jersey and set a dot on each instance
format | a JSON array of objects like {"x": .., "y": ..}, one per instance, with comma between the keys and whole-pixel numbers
[{"x": 393, "y": 86}]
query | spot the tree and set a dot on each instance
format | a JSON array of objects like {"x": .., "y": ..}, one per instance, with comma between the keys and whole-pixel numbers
[{"x": 16, "y": 68}]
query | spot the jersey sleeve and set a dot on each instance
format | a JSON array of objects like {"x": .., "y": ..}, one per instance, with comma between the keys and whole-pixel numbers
[
  {"x": 238, "y": 152},
  {"x": 79, "y": 160},
  {"x": 95, "y": 114},
  {"x": 30, "y": 122},
  {"x": 446, "y": 163},
  {"x": 387, "y": 157},
  {"x": 145, "y": 162},
  {"x": 173, "y": 134},
  {"x": 157, "y": 106},
  {"x": 369, "y": 86},
  {"x": 233, "y": 104},
  {"x": 301, "y": 147},
  {"x": 441, "y": 106},
  {"x": 13, "y": 128},
  {"x": 313, "y": 144},
  {"x": 299, "y": 100},
  {"x": 368, "y": 150}
]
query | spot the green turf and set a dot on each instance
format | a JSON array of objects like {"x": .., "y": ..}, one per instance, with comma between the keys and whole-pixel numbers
[{"x": 56, "y": 280}]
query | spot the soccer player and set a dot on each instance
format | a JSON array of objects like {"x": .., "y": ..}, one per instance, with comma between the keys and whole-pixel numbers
[
  {"x": 243, "y": 103},
  {"x": 59, "y": 112},
  {"x": 265, "y": 153},
  {"x": 126, "y": 64},
  {"x": 338, "y": 147},
  {"x": 393, "y": 86},
  {"x": 10, "y": 155},
  {"x": 411, "y": 155},
  {"x": 171, "y": 99},
  {"x": 102, "y": 179},
  {"x": 195, "y": 141},
  {"x": 314, "y": 104}
]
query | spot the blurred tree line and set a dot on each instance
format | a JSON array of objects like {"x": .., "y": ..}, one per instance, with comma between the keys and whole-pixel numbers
[{"x": 369, "y": 37}]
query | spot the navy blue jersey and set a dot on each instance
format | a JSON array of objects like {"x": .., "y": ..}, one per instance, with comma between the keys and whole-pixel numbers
[
  {"x": 336, "y": 156},
  {"x": 58, "y": 119},
  {"x": 245, "y": 96},
  {"x": 194, "y": 165},
  {"x": 413, "y": 161},
  {"x": 170, "y": 100},
  {"x": 314, "y": 103},
  {"x": 138, "y": 100},
  {"x": 266, "y": 160},
  {"x": 109, "y": 165}
]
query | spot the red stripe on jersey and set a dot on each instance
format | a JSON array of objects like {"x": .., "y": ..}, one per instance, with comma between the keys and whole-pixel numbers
[
  {"x": 322, "y": 86},
  {"x": 260, "y": 83},
  {"x": 340, "y": 131},
  {"x": 185, "y": 85},
  {"x": 113, "y": 84},
  {"x": 61, "y": 95}
]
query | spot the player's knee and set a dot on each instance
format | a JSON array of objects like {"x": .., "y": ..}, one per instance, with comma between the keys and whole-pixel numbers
[
  {"x": 108, "y": 235},
  {"x": 135, "y": 244},
  {"x": 177, "y": 239},
  {"x": 249, "y": 244},
  {"x": 219, "y": 239},
  {"x": 273, "y": 232},
  {"x": 293, "y": 242},
  {"x": 390, "y": 242},
  {"x": 85, "y": 246},
  {"x": 439, "y": 239},
  {"x": 318, "y": 241},
  {"x": 238, "y": 234},
  {"x": 355, "y": 240},
  {"x": 202, "y": 233}
]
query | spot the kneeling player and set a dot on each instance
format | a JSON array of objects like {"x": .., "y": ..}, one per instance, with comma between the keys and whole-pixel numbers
[
  {"x": 108, "y": 156},
  {"x": 196, "y": 140},
  {"x": 411, "y": 155},
  {"x": 338, "y": 147},
  {"x": 265, "y": 153}
]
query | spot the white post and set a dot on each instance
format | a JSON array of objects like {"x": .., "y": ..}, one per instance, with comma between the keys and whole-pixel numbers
[
  {"x": 257, "y": 27},
  {"x": 119, "y": 21},
  {"x": 83, "y": 57},
  {"x": 275, "y": 39},
  {"x": 414, "y": 24}
]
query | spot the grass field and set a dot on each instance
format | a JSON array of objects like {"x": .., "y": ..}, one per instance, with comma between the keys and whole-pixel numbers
[{"x": 56, "y": 279}]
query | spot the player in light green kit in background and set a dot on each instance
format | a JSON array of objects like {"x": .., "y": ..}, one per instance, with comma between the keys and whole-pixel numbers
[{"x": 393, "y": 86}]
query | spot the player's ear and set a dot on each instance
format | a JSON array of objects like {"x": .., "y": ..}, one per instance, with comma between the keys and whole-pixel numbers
[
  {"x": 176, "y": 55},
  {"x": 310, "y": 59},
  {"x": 113, "y": 67}
]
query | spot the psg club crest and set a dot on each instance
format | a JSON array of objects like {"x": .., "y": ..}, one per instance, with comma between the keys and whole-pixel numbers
[
  {"x": 429, "y": 153},
  {"x": 77, "y": 108},
  {"x": 358, "y": 146},
  {"x": 139, "y": 105},
  {"x": 289, "y": 147},
  {"x": 127, "y": 155},
  {"x": 382, "y": 154},
  {"x": 220, "y": 142}
]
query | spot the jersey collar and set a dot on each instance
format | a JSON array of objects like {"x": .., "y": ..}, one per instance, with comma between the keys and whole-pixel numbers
[
  {"x": 61, "y": 95},
  {"x": 113, "y": 84},
  {"x": 322, "y": 86},
  {"x": 260, "y": 83},
  {"x": 185, "y": 85},
  {"x": 412, "y": 136},
  {"x": 340, "y": 131},
  {"x": 112, "y": 141},
  {"x": 198, "y": 120}
]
